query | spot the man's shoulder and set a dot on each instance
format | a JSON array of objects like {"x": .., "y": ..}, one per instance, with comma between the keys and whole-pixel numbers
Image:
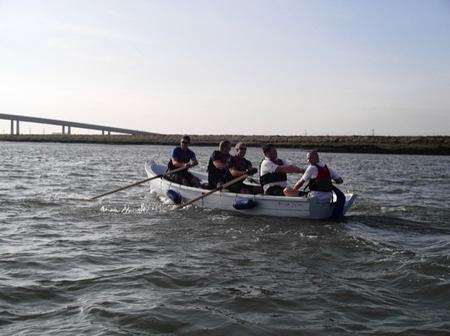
[
  {"x": 265, "y": 161},
  {"x": 217, "y": 155},
  {"x": 279, "y": 162},
  {"x": 310, "y": 170},
  {"x": 268, "y": 165},
  {"x": 176, "y": 150},
  {"x": 243, "y": 164},
  {"x": 311, "y": 167}
]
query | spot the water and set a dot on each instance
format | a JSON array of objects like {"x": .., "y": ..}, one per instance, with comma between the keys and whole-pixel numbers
[{"x": 129, "y": 265}]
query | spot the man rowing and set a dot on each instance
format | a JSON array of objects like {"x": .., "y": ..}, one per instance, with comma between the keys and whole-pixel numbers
[
  {"x": 240, "y": 166},
  {"x": 182, "y": 156},
  {"x": 218, "y": 165},
  {"x": 273, "y": 172},
  {"x": 320, "y": 178}
]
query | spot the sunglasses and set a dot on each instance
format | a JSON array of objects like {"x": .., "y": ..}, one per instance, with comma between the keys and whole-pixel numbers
[
  {"x": 185, "y": 142},
  {"x": 242, "y": 148}
]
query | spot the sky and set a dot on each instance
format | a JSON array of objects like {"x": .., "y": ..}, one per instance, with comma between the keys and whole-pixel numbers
[{"x": 229, "y": 67}]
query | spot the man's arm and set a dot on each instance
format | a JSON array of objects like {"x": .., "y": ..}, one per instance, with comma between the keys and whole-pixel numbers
[
  {"x": 335, "y": 177},
  {"x": 179, "y": 164},
  {"x": 289, "y": 169},
  {"x": 219, "y": 164},
  {"x": 193, "y": 162},
  {"x": 294, "y": 192},
  {"x": 235, "y": 172},
  {"x": 298, "y": 185},
  {"x": 306, "y": 177}
]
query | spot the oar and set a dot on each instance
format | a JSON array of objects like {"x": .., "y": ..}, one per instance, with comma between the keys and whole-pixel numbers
[
  {"x": 139, "y": 182},
  {"x": 237, "y": 179}
]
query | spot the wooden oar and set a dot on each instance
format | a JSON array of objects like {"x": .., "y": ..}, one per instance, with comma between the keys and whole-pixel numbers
[
  {"x": 237, "y": 179},
  {"x": 137, "y": 183}
]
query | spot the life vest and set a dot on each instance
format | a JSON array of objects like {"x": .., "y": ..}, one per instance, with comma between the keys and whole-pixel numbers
[
  {"x": 273, "y": 177},
  {"x": 322, "y": 182}
]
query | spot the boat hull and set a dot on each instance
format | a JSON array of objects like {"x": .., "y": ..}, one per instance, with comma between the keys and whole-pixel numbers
[{"x": 275, "y": 206}]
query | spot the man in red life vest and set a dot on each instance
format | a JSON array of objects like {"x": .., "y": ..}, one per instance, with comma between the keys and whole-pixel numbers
[{"x": 320, "y": 184}]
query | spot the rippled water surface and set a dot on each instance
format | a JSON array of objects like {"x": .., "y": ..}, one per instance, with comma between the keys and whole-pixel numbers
[{"x": 130, "y": 265}]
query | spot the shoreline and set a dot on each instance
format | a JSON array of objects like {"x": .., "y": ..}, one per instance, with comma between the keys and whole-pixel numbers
[{"x": 423, "y": 145}]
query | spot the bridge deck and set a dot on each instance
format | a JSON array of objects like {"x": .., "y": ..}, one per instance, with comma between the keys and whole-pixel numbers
[{"x": 68, "y": 124}]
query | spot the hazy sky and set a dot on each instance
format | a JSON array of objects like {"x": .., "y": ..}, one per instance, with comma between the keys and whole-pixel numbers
[{"x": 241, "y": 67}]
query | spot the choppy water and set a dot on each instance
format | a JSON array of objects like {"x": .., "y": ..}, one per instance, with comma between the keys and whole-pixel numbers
[{"x": 129, "y": 265}]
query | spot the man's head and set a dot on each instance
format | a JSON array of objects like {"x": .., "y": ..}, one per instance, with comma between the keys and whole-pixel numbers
[
  {"x": 313, "y": 157},
  {"x": 185, "y": 141},
  {"x": 241, "y": 149},
  {"x": 270, "y": 151},
  {"x": 225, "y": 146}
]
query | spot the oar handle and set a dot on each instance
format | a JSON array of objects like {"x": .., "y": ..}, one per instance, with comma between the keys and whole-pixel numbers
[
  {"x": 139, "y": 182},
  {"x": 225, "y": 185}
]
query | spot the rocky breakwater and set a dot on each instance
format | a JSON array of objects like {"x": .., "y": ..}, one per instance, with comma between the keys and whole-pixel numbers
[{"x": 428, "y": 145}]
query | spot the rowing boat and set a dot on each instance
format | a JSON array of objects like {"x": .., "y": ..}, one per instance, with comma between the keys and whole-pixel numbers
[{"x": 264, "y": 205}]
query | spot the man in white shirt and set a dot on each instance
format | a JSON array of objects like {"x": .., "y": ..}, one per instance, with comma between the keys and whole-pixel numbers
[
  {"x": 273, "y": 172},
  {"x": 320, "y": 179}
]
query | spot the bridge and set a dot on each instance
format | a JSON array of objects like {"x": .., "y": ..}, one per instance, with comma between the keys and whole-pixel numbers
[{"x": 66, "y": 125}]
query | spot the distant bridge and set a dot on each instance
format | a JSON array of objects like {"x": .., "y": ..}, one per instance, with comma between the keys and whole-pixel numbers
[{"x": 64, "y": 124}]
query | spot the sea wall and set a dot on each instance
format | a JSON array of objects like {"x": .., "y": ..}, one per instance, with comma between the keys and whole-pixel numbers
[{"x": 427, "y": 145}]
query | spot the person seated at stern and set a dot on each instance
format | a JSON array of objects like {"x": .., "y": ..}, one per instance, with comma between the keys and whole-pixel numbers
[
  {"x": 218, "y": 165},
  {"x": 182, "y": 156},
  {"x": 320, "y": 184},
  {"x": 239, "y": 166},
  {"x": 273, "y": 172}
]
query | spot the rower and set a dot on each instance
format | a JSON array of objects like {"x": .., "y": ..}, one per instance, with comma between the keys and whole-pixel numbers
[
  {"x": 218, "y": 165},
  {"x": 273, "y": 172},
  {"x": 321, "y": 186},
  {"x": 239, "y": 166},
  {"x": 182, "y": 156}
]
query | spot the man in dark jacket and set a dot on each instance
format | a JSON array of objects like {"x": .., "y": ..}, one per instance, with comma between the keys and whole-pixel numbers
[
  {"x": 239, "y": 166},
  {"x": 182, "y": 156},
  {"x": 218, "y": 165}
]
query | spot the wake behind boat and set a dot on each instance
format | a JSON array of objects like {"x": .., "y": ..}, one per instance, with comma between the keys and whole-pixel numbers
[{"x": 264, "y": 205}]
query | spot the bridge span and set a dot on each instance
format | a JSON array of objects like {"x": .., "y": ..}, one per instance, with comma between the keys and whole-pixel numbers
[{"x": 15, "y": 119}]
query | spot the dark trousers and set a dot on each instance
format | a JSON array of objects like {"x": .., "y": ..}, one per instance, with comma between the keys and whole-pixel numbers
[
  {"x": 338, "y": 210},
  {"x": 241, "y": 188},
  {"x": 275, "y": 190},
  {"x": 183, "y": 177}
]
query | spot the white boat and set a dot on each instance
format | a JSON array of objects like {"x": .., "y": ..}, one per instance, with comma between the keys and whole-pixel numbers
[{"x": 263, "y": 205}]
